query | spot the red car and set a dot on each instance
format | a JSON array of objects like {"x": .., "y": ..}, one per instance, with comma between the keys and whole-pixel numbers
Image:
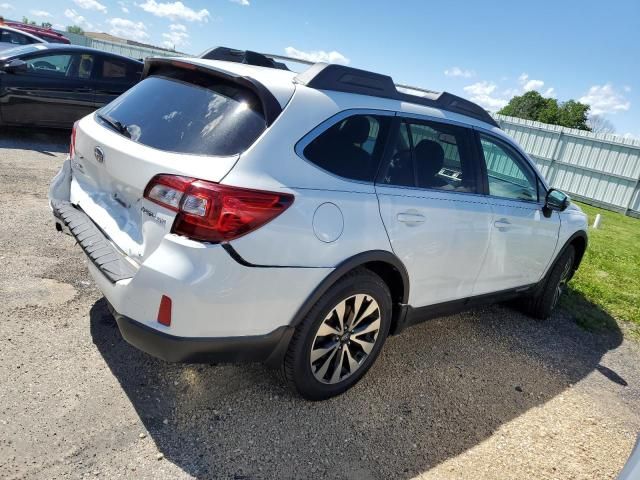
[{"x": 46, "y": 34}]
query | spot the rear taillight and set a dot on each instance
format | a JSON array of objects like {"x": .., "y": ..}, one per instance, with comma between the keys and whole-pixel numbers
[
  {"x": 211, "y": 212},
  {"x": 72, "y": 145}
]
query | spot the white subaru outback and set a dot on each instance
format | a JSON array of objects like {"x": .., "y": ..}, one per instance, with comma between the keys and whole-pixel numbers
[{"x": 235, "y": 212}]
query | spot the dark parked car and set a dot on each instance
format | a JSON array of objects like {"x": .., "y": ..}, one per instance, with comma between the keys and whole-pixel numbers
[{"x": 53, "y": 85}]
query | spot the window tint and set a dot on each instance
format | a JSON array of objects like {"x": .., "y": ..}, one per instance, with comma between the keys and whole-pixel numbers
[
  {"x": 508, "y": 175},
  {"x": 431, "y": 155},
  {"x": 352, "y": 148},
  {"x": 188, "y": 112},
  {"x": 113, "y": 69}
]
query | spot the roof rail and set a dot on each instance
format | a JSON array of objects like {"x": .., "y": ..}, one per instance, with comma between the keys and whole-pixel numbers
[
  {"x": 340, "y": 78},
  {"x": 324, "y": 76}
]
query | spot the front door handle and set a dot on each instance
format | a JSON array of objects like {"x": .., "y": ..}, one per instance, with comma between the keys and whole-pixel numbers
[
  {"x": 502, "y": 224},
  {"x": 410, "y": 218}
]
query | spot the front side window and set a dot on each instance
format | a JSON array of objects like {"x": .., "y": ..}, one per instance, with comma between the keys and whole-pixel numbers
[
  {"x": 508, "y": 176},
  {"x": 431, "y": 155},
  {"x": 187, "y": 112},
  {"x": 351, "y": 148},
  {"x": 58, "y": 65}
]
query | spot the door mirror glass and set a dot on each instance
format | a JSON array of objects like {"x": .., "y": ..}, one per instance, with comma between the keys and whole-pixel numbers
[
  {"x": 557, "y": 200},
  {"x": 16, "y": 66}
]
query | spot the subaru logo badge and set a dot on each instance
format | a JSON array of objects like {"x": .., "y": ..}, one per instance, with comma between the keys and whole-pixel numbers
[{"x": 99, "y": 154}]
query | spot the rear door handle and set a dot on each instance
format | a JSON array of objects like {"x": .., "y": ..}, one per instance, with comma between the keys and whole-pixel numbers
[
  {"x": 411, "y": 218},
  {"x": 502, "y": 224}
]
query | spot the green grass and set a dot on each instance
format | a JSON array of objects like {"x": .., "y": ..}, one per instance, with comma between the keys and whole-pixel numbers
[{"x": 606, "y": 287}]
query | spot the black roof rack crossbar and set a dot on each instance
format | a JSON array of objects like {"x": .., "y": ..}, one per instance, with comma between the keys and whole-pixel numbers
[{"x": 324, "y": 76}]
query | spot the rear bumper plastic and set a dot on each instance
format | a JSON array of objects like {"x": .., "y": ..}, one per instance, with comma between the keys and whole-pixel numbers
[
  {"x": 106, "y": 257},
  {"x": 268, "y": 348},
  {"x": 213, "y": 295}
]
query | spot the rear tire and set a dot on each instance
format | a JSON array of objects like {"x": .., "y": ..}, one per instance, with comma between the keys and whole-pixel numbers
[
  {"x": 339, "y": 339},
  {"x": 541, "y": 306}
]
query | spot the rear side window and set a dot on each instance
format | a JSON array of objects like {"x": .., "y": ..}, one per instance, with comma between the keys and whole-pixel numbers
[
  {"x": 351, "y": 148},
  {"x": 187, "y": 112},
  {"x": 113, "y": 69},
  {"x": 432, "y": 155}
]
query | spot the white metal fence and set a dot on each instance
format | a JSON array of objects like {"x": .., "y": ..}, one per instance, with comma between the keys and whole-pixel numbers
[
  {"x": 125, "y": 49},
  {"x": 599, "y": 169}
]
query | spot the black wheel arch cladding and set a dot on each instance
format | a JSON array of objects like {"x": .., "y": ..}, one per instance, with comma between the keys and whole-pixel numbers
[{"x": 383, "y": 263}]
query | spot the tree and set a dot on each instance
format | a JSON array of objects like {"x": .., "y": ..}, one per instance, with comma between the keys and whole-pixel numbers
[
  {"x": 46, "y": 25},
  {"x": 526, "y": 106},
  {"x": 599, "y": 124},
  {"x": 26, "y": 21},
  {"x": 533, "y": 106},
  {"x": 75, "y": 29}
]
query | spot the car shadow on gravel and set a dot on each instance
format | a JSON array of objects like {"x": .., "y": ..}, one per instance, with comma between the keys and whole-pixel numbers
[
  {"x": 43, "y": 140},
  {"x": 437, "y": 390}
]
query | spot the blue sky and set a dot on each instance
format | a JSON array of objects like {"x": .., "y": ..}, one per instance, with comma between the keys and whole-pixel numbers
[{"x": 484, "y": 50}]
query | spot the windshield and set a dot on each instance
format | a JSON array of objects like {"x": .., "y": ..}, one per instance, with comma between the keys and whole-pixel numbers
[
  {"x": 19, "y": 51},
  {"x": 187, "y": 112}
]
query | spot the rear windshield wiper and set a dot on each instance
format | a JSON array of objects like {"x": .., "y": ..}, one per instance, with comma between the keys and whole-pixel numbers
[{"x": 115, "y": 124}]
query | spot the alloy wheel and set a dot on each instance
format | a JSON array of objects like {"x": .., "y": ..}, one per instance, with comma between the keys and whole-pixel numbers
[
  {"x": 562, "y": 283},
  {"x": 345, "y": 338}
]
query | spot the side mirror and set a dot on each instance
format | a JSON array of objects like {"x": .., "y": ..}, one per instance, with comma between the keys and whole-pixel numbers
[
  {"x": 16, "y": 66},
  {"x": 557, "y": 200}
]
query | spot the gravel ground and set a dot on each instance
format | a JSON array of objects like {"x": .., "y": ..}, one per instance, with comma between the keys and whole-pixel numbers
[{"x": 485, "y": 394}]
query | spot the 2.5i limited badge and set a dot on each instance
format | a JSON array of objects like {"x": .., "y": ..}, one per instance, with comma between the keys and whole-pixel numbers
[{"x": 153, "y": 215}]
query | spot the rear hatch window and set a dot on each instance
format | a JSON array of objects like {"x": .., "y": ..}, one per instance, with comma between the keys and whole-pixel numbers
[{"x": 187, "y": 112}]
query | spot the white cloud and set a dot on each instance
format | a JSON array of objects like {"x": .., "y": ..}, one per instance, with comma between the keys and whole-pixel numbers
[
  {"x": 176, "y": 37},
  {"x": 91, "y": 5},
  {"x": 317, "y": 56},
  {"x": 486, "y": 93},
  {"x": 6, "y": 6},
  {"x": 40, "y": 13},
  {"x": 77, "y": 19},
  {"x": 604, "y": 99},
  {"x": 123, "y": 7},
  {"x": 627, "y": 88},
  {"x": 482, "y": 94},
  {"x": 480, "y": 88},
  {"x": 121, "y": 27},
  {"x": 459, "y": 72},
  {"x": 175, "y": 11},
  {"x": 244, "y": 3},
  {"x": 529, "y": 84}
]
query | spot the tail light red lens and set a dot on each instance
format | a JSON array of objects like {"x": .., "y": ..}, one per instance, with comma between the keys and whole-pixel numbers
[
  {"x": 72, "y": 145},
  {"x": 211, "y": 212}
]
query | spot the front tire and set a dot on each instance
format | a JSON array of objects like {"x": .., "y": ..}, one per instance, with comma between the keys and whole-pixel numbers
[
  {"x": 340, "y": 338},
  {"x": 542, "y": 305}
]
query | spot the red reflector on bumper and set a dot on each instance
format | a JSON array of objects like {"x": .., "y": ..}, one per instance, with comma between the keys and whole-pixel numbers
[{"x": 164, "y": 312}]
